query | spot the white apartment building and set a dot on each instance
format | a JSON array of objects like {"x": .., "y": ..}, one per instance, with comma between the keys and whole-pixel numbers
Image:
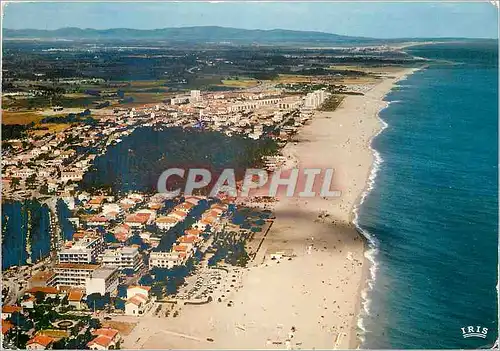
[
  {"x": 71, "y": 175},
  {"x": 103, "y": 280},
  {"x": 85, "y": 250},
  {"x": 71, "y": 274},
  {"x": 163, "y": 259},
  {"x": 195, "y": 96},
  {"x": 179, "y": 100},
  {"x": 123, "y": 258},
  {"x": 315, "y": 99},
  {"x": 253, "y": 105}
]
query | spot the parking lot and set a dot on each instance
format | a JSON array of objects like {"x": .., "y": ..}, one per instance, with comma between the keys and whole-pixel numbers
[{"x": 211, "y": 282}]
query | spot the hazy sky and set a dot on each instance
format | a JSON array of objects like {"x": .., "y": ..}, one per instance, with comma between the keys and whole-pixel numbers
[{"x": 372, "y": 19}]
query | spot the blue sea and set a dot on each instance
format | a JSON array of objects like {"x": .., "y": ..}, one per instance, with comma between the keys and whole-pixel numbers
[{"x": 431, "y": 215}]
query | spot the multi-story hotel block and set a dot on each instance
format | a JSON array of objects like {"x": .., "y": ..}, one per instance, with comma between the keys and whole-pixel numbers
[
  {"x": 85, "y": 250},
  {"x": 72, "y": 274},
  {"x": 123, "y": 258}
]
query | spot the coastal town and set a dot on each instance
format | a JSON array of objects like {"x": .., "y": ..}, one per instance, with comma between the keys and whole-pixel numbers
[
  {"x": 99, "y": 251},
  {"x": 135, "y": 254},
  {"x": 52, "y": 164}
]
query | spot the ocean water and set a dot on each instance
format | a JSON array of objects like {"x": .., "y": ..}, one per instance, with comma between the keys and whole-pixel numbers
[{"x": 431, "y": 215}]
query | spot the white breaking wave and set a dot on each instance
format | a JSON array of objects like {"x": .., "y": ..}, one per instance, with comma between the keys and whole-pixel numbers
[{"x": 372, "y": 251}]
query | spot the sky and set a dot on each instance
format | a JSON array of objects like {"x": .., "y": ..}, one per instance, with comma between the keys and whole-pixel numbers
[{"x": 369, "y": 19}]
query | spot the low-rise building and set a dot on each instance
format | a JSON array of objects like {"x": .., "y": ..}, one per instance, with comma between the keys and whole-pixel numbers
[
  {"x": 105, "y": 339},
  {"x": 75, "y": 298},
  {"x": 42, "y": 279},
  {"x": 135, "y": 305},
  {"x": 28, "y": 302},
  {"x": 133, "y": 290},
  {"x": 39, "y": 342},
  {"x": 166, "y": 222},
  {"x": 98, "y": 221},
  {"x": 47, "y": 291},
  {"x": 136, "y": 220}
]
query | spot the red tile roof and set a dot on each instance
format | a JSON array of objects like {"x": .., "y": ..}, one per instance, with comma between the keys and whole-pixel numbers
[
  {"x": 97, "y": 200},
  {"x": 100, "y": 340},
  {"x": 143, "y": 215},
  {"x": 193, "y": 232},
  {"x": 135, "y": 301},
  {"x": 75, "y": 295},
  {"x": 188, "y": 239},
  {"x": 178, "y": 213},
  {"x": 44, "y": 289},
  {"x": 11, "y": 309},
  {"x": 166, "y": 220},
  {"x": 41, "y": 340},
  {"x": 180, "y": 248},
  {"x": 136, "y": 219},
  {"x": 42, "y": 276},
  {"x": 109, "y": 332}
]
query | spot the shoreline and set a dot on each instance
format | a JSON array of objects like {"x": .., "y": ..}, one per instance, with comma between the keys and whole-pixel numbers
[{"x": 369, "y": 265}]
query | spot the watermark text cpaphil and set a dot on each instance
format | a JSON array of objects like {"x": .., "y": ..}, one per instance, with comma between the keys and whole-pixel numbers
[{"x": 295, "y": 182}]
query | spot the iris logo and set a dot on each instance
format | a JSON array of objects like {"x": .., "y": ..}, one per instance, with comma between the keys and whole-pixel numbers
[{"x": 474, "y": 332}]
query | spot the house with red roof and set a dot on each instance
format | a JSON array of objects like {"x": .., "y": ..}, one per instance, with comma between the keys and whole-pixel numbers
[
  {"x": 39, "y": 342},
  {"x": 48, "y": 291},
  {"x": 75, "y": 298},
  {"x": 138, "y": 220},
  {"x": 166, "y": 222},
  {"x": 105, "y": 339},
  {"x": 98, "y": 221},
  {"x": 136, "y": 305},
  {"x": 185, "y": 207},
  {"x": 100, "y": 342},
  {"x": 179, "y": 215},
  {"x": 133, "y": 290},
  {"x": 189, "y": 239}
]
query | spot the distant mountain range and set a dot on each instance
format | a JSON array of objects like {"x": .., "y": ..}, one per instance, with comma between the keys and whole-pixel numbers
[
  {"x": 207, "y": 34},
  {"x": 189, "y": 34}
]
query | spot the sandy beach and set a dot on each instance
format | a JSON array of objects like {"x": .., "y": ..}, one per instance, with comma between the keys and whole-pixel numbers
[{"x": 313, "y": 299}]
